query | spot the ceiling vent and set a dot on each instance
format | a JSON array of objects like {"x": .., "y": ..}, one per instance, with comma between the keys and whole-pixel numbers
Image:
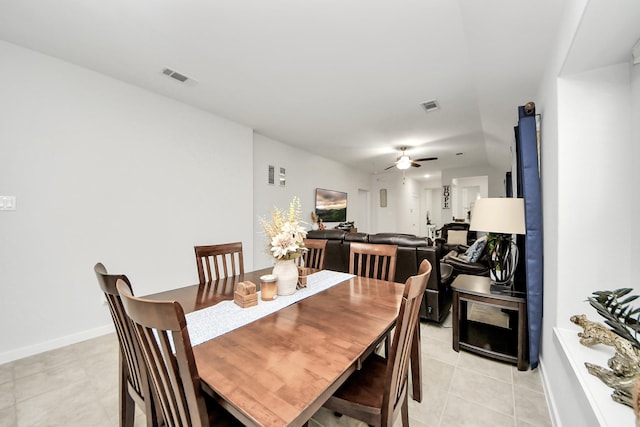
[
  {"x": 430, "y": 106},
  {"x": 176, "y": 75}
]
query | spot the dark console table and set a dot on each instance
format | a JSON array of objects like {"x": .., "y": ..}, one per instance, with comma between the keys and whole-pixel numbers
[{"x": 506, "y": 344}]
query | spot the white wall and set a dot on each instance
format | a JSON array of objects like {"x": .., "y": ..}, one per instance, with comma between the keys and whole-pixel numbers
[
  {"x": 408, "y": 199},
  {"x": 594, "y": 173},
  {"x": 408, "y": 207},
  {"x": 385, "y": 219},
  {"x": 588, "y": 180},
  {"x": 304, "y": 172},
  {"x": 404, "y": 210},
  {"x": 635, "y": 171},
  {"x": 105, "y": 171},
  {"x": 364, "y": 210},
  {"x": 595, "y": 186},
  {"x": 561, "y": 386}
]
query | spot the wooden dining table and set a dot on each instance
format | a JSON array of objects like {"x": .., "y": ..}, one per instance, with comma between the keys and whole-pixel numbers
[{"x": 280, "y": 369}]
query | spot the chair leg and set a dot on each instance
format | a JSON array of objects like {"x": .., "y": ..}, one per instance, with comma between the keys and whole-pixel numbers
[
  {"x": 127, "y": 409},
  {"x": 416, "y": 365}
]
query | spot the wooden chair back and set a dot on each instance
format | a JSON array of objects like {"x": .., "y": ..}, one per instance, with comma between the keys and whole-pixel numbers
[
  {"x": 134, "y": 385},
  {"x": 373, "y": 260},
  {"x": 313, "y": 257},
  {"x": 379, "y": 390},
  {"x": 400, "y": 354},
  {"x": 161, "y": 329},
  {"x": 219, "y": 261}
]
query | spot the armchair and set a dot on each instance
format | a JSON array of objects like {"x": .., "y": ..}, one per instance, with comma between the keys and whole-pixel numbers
[
  {"x": 437, "y": 297},
  {"x": 480, "y": 267},
  {"x": 411, "y": 251},
  {"x": 460, "y": 236}
]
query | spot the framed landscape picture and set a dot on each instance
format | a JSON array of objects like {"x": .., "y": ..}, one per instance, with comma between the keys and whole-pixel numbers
[{"x": 331, "y": 206}]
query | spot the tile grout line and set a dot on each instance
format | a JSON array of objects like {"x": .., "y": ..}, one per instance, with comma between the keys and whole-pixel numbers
[
  {"x": 512, "y": 415},
  {"x": 446, "y": 399}
]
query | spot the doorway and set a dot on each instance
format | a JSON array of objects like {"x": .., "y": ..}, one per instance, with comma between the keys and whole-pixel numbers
[
  {"x": 465, "y": 192},
  {"x": 363, "y": 211},
  {"x": 430, "y": 212}
]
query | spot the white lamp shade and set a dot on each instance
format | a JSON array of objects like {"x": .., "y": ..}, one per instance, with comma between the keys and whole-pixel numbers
[{"x": 498, "y": 215}]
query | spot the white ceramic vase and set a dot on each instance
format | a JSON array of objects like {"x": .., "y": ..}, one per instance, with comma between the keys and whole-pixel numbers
[{"x": 287, "y": 272}]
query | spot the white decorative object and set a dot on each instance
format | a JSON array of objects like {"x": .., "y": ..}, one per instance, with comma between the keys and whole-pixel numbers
[
  {"x": 287, "y": 272},
  {"x": 286, "y": 236},
  {"x": 285, "y": 232}
]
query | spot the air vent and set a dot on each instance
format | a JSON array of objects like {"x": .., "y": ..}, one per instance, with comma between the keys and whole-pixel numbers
[
  {"x": 430, "y": 105},
  {"x": 175, "y": 75}
]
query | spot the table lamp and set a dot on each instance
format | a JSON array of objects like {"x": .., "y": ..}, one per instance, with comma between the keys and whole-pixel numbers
[{"x": 501, "y": 218}]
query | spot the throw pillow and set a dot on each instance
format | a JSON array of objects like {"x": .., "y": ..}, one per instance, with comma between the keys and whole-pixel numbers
[
  {"x": 475, "y": 250},
  {"x": 457, "y": 237}
]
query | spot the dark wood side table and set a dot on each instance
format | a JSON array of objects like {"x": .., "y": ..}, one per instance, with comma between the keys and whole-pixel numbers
[{"x": 506, "y": 344}]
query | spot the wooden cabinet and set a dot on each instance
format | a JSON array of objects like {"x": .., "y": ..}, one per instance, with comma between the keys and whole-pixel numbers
[{"x": 502, "y": 343}]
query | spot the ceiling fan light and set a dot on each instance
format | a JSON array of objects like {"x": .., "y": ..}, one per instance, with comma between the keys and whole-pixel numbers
[{"x": 404, "y": 163}]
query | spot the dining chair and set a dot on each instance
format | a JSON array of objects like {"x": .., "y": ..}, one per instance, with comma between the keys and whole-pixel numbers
[
  {"x": 161, "y": 330},
  {"x": 313, "y": 257},
  {"x": 373, "y": 260},
  {"x": 133, "y": 383},
  {"x": 376, "y": 261},
  {"x": 227, "y": 261},
  {"x": 377, "y": 392}
]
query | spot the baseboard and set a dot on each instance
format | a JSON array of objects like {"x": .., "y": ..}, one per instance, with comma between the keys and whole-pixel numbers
[
  {"x": 548, "y": 395},
  {"x": 30, "y": 350}
]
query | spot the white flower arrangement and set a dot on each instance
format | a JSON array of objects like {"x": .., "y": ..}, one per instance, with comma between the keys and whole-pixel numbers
[{"x": 285, "y": 232}]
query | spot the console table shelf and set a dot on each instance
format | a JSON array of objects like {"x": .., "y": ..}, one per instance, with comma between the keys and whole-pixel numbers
[
  {"x": 490, "y": 340},
  {"x": 506, "y": 344}
]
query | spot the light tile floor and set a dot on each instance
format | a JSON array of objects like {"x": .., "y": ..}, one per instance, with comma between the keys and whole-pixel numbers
[{"x": 77, "y": 386}]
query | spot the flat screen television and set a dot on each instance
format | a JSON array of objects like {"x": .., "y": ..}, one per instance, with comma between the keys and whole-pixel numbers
[{"x": 331, "y": 206}]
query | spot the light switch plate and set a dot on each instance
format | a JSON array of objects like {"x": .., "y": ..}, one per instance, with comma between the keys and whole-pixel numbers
[{"x": 7, "y": 203}]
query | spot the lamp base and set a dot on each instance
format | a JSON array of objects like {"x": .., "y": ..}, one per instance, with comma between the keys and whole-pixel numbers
[
  {"x": 504, "y": 260},
  {"x": 501, "y": 277},
  {"x": 501, "y": 288}
]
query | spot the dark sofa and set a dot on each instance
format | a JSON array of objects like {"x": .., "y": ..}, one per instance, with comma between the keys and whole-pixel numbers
[{"x": 411, "y": 251}]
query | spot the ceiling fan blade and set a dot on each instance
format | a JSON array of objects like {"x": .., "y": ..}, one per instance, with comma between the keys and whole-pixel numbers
[
  {"x": 424, "y": 159},
  {"x": 392, "y": 166},
  {"x": 415, "y": 165}
]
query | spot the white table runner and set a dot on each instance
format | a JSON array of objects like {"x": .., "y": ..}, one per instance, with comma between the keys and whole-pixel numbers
[{"x": 226, "y": 316}]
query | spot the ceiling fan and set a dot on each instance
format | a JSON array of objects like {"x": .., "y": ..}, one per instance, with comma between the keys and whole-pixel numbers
[{"x": 404, "y": 162}]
